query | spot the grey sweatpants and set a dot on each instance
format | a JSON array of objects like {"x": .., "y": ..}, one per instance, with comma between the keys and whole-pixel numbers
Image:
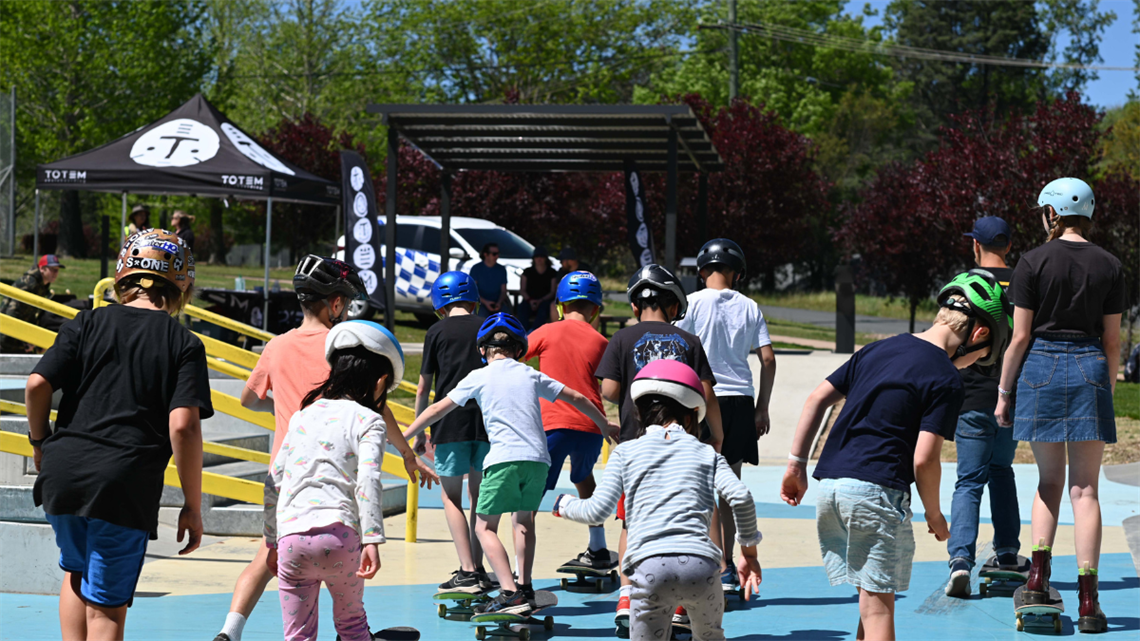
[{"x": 661, "y": 583}]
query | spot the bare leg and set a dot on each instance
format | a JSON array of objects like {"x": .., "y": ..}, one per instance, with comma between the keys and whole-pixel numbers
[
  {"x": 728, "y": 523},
  {"x": 451, "y": 490},
  {"x": 586, "y": 488},
  {"x": 474, "y": 479},
  {"x": 106, "y": 624},
  {"x": 487, "y": 529},
  {"x": 625, "y": 580},
  {"x": 1050, "y": 488},
  {"x": 524, "y": 544},
  {"x": 251, "y": 584},
  {"x": 1084, "y": 474},
  {"x": 72, "y": 609},
  {"x": 876, "y": 616}
]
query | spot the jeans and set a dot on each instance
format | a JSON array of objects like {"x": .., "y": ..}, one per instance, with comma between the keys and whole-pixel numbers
[
  {"x": 532, "y": 319},
  {"x": 985, "y": 455}
]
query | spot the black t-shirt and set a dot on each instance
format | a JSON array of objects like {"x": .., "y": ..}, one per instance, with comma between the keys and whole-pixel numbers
[
  {"x": 1070, "y": 286},
  {"x": 980, "y": 384},
  {"x": 449, "y": 355},
  {"x": 187, "y": 236},
  {"x": 638, "y": 345},
  {"x": 539, "y": 285},
  {"x": 122, "y": 371},
  {"x": 895, "y": 388}
]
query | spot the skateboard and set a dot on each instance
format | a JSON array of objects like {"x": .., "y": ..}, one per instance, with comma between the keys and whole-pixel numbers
[
  {"x": 596, "y": 578},
  {"x": 465, "y": 602},
  {"x": 995, "y": 577},
  {"x": 394, "y": 634},
  {"x": 543, "y": 600},
  {"x": 1034, "y": 613},
  {"x": 680, "y": 628},
  {"x": 733, "y": 589}
]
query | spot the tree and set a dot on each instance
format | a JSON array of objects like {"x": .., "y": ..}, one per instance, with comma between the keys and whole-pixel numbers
[
  {"x": 87, "y": 72},
  {"x": 1120, "y": 146}
]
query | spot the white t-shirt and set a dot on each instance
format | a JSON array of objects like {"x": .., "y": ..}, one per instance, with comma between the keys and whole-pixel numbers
[
  {"x": 328, "y": 471},
  {"x": 507, "y": 392},
  {"x": 730, "y": 326}
]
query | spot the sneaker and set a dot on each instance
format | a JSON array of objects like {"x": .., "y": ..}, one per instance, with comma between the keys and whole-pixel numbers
[
  {"x": 959, "y": 583},
  {"x": 506, "y": 603},
  {"x": 593, "y": 559},
  {"x": 1008, "y": 561},
  {"x": 462, "y": 581},
  {"x": 222, "y": 636},
  {"x": 728, "y": 579},
  {"x": 622, "y": 616},
  {"x": 486, "y": 583},
  {"x": 528, "y": 594},
  {"x": 680, "y": 617}
]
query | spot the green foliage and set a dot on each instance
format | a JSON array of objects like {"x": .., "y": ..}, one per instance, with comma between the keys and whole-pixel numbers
[
  {"x": 1120, "y": 147},
  {"x": 1126, "y": 400}
]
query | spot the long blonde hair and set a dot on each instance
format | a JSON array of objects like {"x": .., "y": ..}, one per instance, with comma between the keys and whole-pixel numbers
[{"x": 1059, "y": 224}]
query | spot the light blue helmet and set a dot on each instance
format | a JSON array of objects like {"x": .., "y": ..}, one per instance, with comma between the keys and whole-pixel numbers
[
  {"x": 373, "y": 337},
  {"x": 1069, "y": 197}
]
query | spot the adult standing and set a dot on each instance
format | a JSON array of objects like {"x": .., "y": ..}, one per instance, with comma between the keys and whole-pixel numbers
[
  {"x": 1068, "y": 296},
  {"x": 491, "y": 280},
  {"x": 537, "y": 287},
  {"x": 181, "y": 222},
  {"x": 985, "y": 450},
  {"x": 569, "y": 263},
  {"x": 139, "y": 220},
  {"x": 37, "y": 281}
]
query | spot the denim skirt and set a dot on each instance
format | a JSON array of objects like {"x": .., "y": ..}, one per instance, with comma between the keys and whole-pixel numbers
[{"x": 1064, "y": 393}]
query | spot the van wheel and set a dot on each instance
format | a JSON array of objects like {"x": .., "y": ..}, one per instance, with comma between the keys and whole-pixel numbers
[{"x": 360, "y": 310}]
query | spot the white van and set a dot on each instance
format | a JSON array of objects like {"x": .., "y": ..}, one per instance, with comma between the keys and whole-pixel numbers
[{"x": 418, "y": 259}]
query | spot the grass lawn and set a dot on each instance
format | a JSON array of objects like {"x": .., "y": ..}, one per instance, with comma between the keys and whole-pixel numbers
[{"x": 867, "y": 305}]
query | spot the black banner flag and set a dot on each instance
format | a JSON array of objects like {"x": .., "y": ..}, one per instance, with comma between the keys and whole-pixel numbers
[
  {"x": 363, "y": 234},
  {"x": 640, "y": 236}
]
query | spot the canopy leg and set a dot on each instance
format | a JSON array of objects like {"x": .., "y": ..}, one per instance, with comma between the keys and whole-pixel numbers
[
  {"x": 123, "y": 223},
  {"x": 268, "y": 233},
  {"x": 36, "y": 230}
]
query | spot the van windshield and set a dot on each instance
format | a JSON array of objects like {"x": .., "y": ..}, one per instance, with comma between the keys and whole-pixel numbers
[{"x": 510, "y": 245}]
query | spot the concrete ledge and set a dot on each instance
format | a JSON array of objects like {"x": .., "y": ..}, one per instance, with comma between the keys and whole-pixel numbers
[
  {"x": 18, "y": 364},
  {"x": 31, "y": 558},
  {"x": 16, "y": 504}
]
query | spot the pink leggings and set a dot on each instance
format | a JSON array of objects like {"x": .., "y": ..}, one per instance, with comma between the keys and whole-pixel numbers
[{"x": 330, "y": 554}]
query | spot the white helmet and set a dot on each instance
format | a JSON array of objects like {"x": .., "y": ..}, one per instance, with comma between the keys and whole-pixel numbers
[{"x": 373, "y": 337}]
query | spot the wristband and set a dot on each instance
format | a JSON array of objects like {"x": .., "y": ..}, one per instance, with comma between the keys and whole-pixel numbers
[
  {"x": 797, "y": 459},
  {"x": 36, "y": 442},
  {"x": 1003, "y": 392},
  {"x": 557, "y": 500}
]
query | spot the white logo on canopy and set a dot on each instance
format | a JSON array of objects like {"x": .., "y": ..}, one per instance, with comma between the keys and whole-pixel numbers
[
  {"x": 255, "y": 152},
  {"x": 178, "y": 143},
  {"x": 364, "y": 257},
  {"x": 356, "y": 177},
  {"x": 368, "y": 277},
  {"x": 360, "y": 204},
  {"x": 362, "y": 230}
]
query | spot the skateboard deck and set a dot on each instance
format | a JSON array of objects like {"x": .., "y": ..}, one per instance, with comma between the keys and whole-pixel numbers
[
  {"x": 394, "y": 634},
  {"x": 464, "y": 602},
  {"x": 1038, "y": 613},
  {"x": 994, "y": 576},
  {"x": 590, "y": 577},
  {"x": 543, "y": 599}
]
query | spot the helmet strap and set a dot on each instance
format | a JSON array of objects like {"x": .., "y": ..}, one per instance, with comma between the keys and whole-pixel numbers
[
  {"x": 963, "y": 350},
  {"x": 335, "y": 320}
]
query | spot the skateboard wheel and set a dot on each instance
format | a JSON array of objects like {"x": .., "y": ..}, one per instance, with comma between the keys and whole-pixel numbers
[
  {"x": 1020, "y": 623},
  {"x": 599, "y": 585},
  {"x": 983, "y": 588},
  {"x": 524, "y": 634},
  {"x": 614, "y": 576},
  {"x": 480, "y": 633},
  {"x": 442, "y": 610},
  {"x": 548, "y": 623},
  {"x": 565, "y": 583}
]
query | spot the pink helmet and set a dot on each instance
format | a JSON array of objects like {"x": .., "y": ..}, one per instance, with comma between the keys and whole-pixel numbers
[{"x": 671, "y": 379}]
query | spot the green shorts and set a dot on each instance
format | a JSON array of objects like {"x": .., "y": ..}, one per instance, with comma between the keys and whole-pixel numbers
[{"x": 514, "y": 486}]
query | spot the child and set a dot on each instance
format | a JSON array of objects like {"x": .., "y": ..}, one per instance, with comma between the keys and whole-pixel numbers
[
  {"x": 290, "y": 367},
  {"x": 515, "y": 470},
  {"x": 670, "y": 558},
  {"x": 460, "y": 441},
  {"x": 135, "y": 388},
  {"x": 569, "y": 351},
  {"x": 657, "y": 300},
  {"x": 730, "y": 325},
  {"x": 327, "y": 477},
  {"x": 903, "y": 395}
]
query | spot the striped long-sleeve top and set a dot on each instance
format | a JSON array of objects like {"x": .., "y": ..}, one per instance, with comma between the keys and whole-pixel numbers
[{"x": 671, "y": 481}]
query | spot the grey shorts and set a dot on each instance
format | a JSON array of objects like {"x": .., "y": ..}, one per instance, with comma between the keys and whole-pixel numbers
[{"x": 865, "y": 534}]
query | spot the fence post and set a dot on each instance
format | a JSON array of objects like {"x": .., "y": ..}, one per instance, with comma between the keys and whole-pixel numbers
[
  {"x": 844, "y": 310},
  {"x": 105, "y": 237},
  {"x": 412, "y": 511}
]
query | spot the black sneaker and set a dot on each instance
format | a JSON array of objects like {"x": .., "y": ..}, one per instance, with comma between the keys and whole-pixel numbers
[
  {"x": 462, "y": 581},
  {"x": 1008, "y": 561},
  {"x": 593, "y": 559},
  {"x": 528, "y": 594},
  {"x": 222, "y": 636},
  {"x": 486, "y": 583},
  {"x": 506, "y": 603}
]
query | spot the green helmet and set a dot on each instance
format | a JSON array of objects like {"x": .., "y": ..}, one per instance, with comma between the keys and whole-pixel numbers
[{"x": 985, "y": 302}]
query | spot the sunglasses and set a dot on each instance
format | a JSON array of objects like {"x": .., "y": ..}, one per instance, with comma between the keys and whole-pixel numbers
[{"x": 492, "y": 253}]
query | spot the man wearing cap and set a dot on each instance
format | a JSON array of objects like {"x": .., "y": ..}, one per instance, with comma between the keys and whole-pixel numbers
[
  {"x": 139, "y": 220},
  {"x": 36, "y": 280},
  {"x": 985, "y": 451}
]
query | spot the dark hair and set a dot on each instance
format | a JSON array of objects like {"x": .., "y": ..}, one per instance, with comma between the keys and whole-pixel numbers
[
  {"x": 660, "y": 300},
  {"x": 312, "y": 303},
  {"x": 654, "y": 409},
  {"x": 353, "y": 376},
  {"x": 487, "y": 248},
  {"x": 1000, "y": 242},
  {"x": 581, "y": 306}
]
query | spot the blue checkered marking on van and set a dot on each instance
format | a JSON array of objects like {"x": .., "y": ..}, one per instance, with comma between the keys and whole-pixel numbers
[{"x": 413, "y": 279}]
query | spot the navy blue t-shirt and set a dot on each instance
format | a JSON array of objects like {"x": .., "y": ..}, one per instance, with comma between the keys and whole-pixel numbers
[{"x": 895, "y": 388}]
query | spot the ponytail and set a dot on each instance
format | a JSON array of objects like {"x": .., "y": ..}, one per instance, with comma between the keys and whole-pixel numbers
[{"x": 1059, "y": 224}]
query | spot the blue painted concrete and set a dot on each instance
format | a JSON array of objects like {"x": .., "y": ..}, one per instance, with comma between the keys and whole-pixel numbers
[
  {"x": 794, "y": 603},
  {"x": 13, "y": 383}
]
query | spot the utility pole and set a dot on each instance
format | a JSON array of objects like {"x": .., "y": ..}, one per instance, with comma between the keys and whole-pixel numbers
[{"x": 733, "y": 54}]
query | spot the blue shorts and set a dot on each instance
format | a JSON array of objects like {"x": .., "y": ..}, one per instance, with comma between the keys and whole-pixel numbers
[
  {"x": 865, "y": 534},
  {"x": 108, "y": 556},
  {"x": 461, "y": 457},
  {"x": 583, "y": 449}
]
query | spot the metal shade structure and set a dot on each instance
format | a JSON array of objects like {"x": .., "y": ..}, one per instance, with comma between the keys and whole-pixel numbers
[{"x": 547, "y": 138}]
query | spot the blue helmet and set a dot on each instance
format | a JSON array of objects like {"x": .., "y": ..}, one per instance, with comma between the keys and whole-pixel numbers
[
  {"x": 580, "y": 285},
  {"x": 453, "y": 287},
  {"x": 1069, "y": 197},
  {"x": 502, "y": 322}
]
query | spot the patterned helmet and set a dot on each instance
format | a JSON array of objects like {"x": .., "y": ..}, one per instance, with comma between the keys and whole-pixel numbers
[
  {"x": 318, "y": 277},
  {"x": 985, "y": 302},
  {"x": 160, "y": 253}
]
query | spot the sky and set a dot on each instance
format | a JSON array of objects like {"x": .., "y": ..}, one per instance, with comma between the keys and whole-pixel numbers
[{"x": 1117, "y": 47}]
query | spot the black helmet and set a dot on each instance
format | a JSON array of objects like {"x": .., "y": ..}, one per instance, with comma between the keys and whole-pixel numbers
[
  {"x": 985, "y": 301},
  {"x": 649, "y": 280},
  {"x": 318, "y": 277},
  {"x": 722, "y": 251}
]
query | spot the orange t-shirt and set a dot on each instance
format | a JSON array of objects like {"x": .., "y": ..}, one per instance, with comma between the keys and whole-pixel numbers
[
  {"x": 291, "y": 365},
  {"x": 569, "y": 352}
]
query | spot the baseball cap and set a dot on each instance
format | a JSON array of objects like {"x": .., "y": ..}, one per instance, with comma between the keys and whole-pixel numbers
[
  {"x": 987, "y": 229},
  {"x": 567, "y": 253},
  {"x": 540, "y": 251},
  {"x": 49, "y": 260}
]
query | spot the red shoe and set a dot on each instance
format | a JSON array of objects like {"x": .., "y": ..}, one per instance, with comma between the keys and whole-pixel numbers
[
  {"x": 1037, "y": 587},
  {"x": 1092, "y": 618},
  {"x": 680, "y": 617},
  {"x": 622, "y": 616}
]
